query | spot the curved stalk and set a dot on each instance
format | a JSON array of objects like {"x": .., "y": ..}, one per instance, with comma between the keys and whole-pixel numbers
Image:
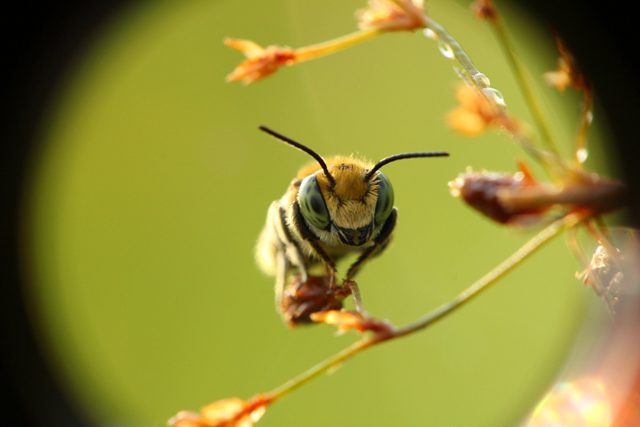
[{"x": 439, "y": 313}]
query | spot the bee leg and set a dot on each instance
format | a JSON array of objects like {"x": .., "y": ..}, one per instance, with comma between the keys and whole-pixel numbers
[
  {"x": 355, "y": 291},
  {"x": 331, "y": 273},
  {"x": 329, "y": 264},
  {"x": 380, "y": 243},
  {"x": 313, "y": 241}
]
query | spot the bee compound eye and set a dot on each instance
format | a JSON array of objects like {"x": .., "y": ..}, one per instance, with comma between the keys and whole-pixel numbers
[
  {"x": 312, "y": 204},
  {"x": 384, "y": 204}
]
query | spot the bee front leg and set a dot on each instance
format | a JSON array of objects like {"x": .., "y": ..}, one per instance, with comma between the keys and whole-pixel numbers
[
  {"x": 380, "y": 243},
  {"x": 355, "y": 291},
  {"x": 313, "y": 241},
  {"x": 329, "y": 263}
]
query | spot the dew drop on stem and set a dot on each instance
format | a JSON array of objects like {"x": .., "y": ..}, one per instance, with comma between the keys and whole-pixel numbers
[
  {"x": 445, "y": 50},
  {"x": 582, "y": 154},
  {"x": 430, "y": 34},
  {"x": 481, "y": 80},
  {"x": 495, "y": 95},
  {"x": 589, "y": 117}
]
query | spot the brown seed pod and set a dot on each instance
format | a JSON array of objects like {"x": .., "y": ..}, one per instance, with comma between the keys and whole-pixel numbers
[{"x": 301, "y": 299}]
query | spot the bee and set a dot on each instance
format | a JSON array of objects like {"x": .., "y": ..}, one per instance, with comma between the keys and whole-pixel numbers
[{"x": 332, "y": 208}]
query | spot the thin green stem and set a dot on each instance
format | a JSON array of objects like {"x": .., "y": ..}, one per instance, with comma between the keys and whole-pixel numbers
[
  {"x": 470, "y": 73},
  {"x": 439, "y": 313},
  {"x": 524, "y": 83},
  {"x": 574, "y": 246},
  {"x": 331, "y": 46},
  {"x": 551, "y": 163},
  {"x": 321, "y": 368},
  {"x": 491, "y": 277}
]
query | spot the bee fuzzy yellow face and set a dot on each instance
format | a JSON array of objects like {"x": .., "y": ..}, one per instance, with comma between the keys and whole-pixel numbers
[
  {"x": 333, "y": 207},
  {"x": 350, "y": 207}
]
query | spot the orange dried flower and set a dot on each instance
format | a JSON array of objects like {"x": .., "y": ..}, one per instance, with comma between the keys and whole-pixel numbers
[
  {"x": 392, "y": 15},
  {"x": 231, "y": 412},
  {"x": 186, "y": 419},
  {"x": 347, "y": 320},
  {"x": 519, "y": 199},
  {"x": 568, "y": 73},
  {"x": 561, "y": 78},
  {"x": 484, "y": 9},
  {"x": 260, "y": 62},
  {"x": 301, "y": 299},
  {"x": 474, "y": 114}
]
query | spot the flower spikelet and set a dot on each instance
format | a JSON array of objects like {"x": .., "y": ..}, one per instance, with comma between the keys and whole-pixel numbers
[
  {"x": 231, "y": 412},
  {"x": 260, "y": 62},
  {"x": 474, "y": 114},
  {"x": 484, "y": 9},
  {"x": 493, "y": 194},
  {"x": 392, "y": 15},
  {"x": 301, "y": 299},
  {"x": 348, "y": 320},
  {"x": 567, "y": 74}
]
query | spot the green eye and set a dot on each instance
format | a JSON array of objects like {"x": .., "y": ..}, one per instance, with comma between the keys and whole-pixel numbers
[
  {"x": 312, "y": 205},
  {"x": 384, "y": 205}
]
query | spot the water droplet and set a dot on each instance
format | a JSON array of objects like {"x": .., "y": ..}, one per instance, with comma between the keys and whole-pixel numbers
[
  {"x": 430, "y": 34},
  {"x": 589, "y": 116},
  {"x": 481, "y": 80},
  {"x": 495, "y": 95},
  {"x": 582, "y": 154},
  {"x": 445, "y": 50}
]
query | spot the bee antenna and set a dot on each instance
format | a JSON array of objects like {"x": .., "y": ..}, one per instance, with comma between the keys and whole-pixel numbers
[
  {"x": 395, "y": 157},
  {"x": 301, "y": 147}
]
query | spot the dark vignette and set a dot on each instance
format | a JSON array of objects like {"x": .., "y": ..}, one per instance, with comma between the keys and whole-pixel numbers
[{"x": 43, "y": 40}]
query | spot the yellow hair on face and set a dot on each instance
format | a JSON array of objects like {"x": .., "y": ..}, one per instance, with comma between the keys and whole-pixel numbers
[{"x": 351, "y": 200}]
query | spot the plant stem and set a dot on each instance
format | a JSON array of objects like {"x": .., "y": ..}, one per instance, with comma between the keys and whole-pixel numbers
[
  {"x": 321, "y": 368},
  {"x": 524, "y": 82},
  {"x": 586, "y": 116},
  {"x": 467, "y": 295},
  {"x": 331, "y": 46},
  {"x": 535, "y": 243},
  {"x": 472, "y": 76},
  {"x": 470, "y": 72},
  {"x": 551, "y": 163}
]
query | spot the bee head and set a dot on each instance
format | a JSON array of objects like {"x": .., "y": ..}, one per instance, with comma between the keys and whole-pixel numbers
[
  {"x": 350, "y": 197},
  {"x": 352, "y": 207}
]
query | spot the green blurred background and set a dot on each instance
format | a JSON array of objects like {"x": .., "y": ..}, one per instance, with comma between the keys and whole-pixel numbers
[{"x": 154, "y": 184}]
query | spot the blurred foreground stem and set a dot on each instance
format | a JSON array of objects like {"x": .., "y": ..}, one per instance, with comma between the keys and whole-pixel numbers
[{"x": 523, "y": 82}]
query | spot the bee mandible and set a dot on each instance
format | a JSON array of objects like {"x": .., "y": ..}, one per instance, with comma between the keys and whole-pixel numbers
[{"x": 332, "y": 207}]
